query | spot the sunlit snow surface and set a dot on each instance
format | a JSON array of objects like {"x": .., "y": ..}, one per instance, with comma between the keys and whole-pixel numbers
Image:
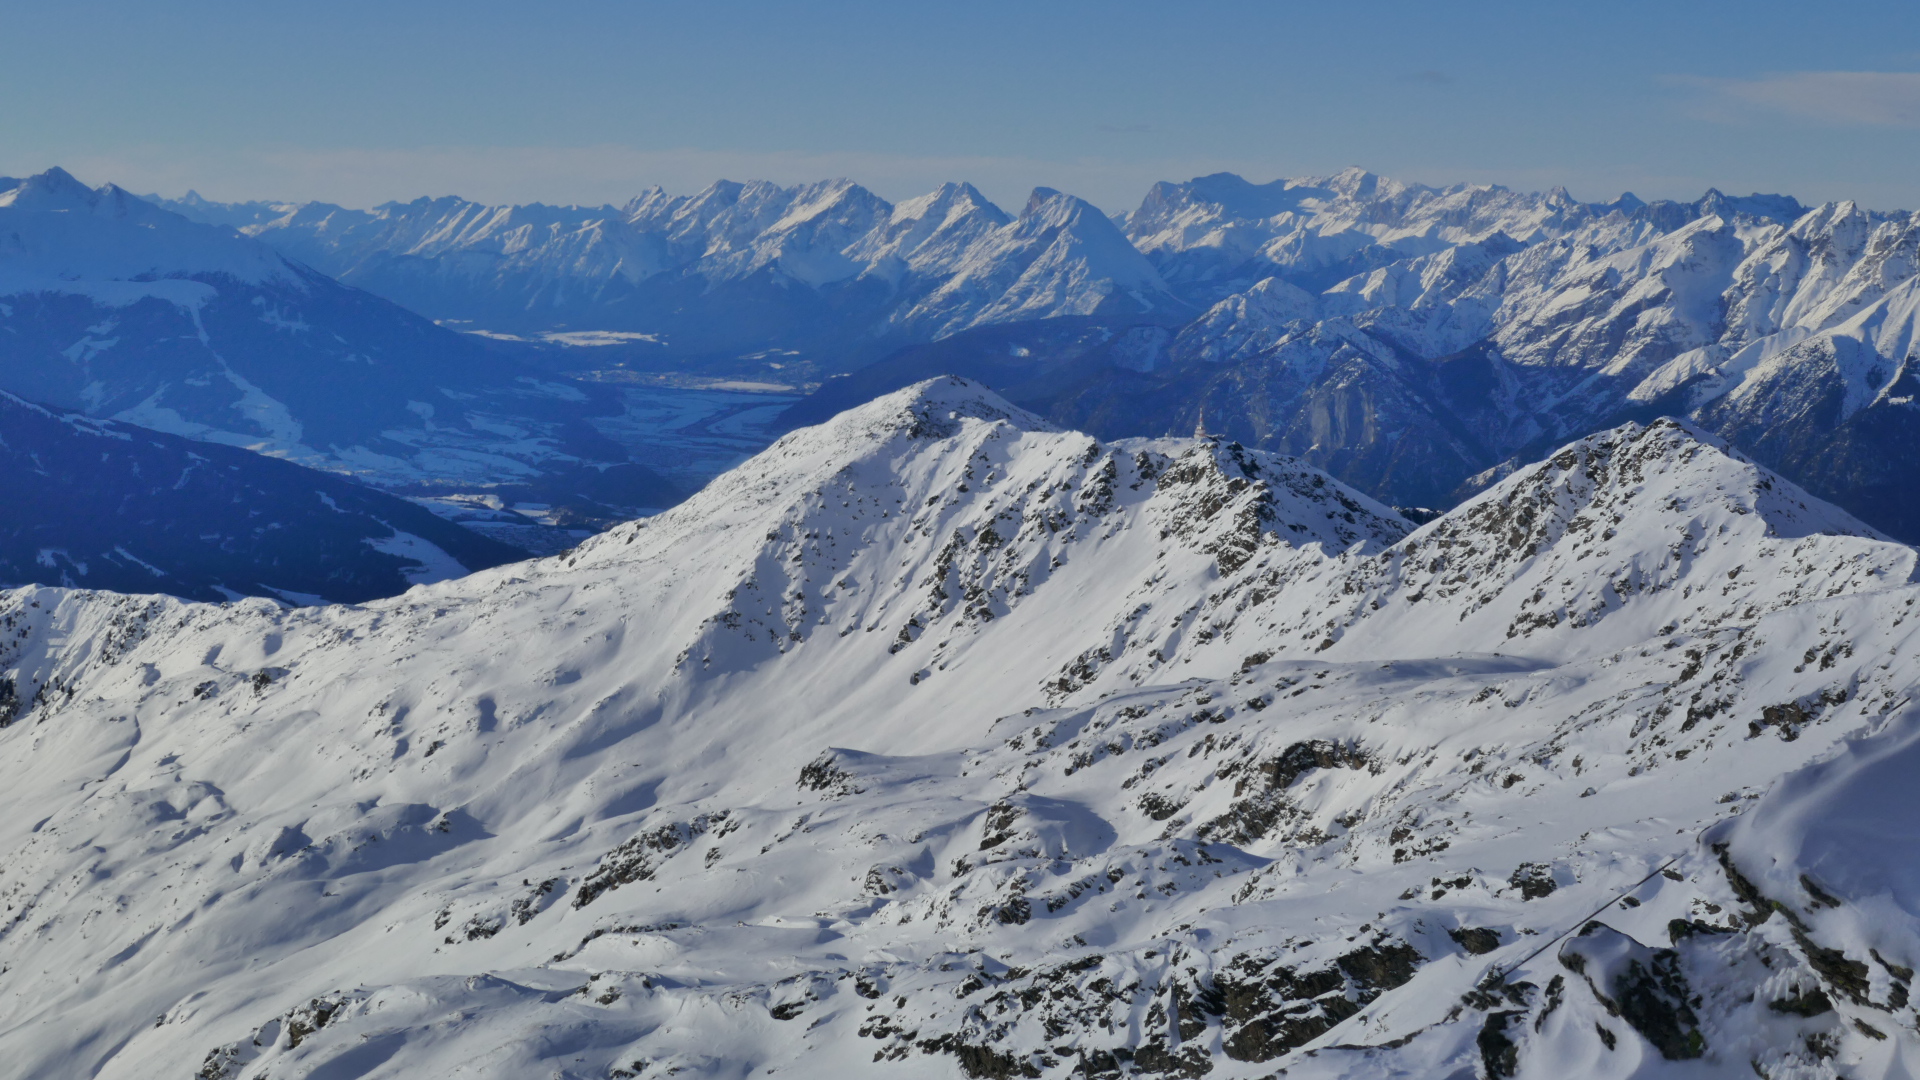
[{"x": 937, "y": 741}]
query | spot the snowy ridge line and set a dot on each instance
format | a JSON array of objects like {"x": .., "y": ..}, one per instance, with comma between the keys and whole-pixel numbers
[{"x": 939, "y": 739}]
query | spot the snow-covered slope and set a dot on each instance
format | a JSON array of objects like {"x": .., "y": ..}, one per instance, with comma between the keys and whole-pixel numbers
[
  {"x": 117, "y": 308},
  {"x": 1060, "y": 257},
  {"x": 936, "y": 739},
  {"x": 65, "y": 237},
  {"x": 107, "y": 505}
]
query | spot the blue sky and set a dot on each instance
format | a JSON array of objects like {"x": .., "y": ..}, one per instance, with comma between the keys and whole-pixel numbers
[{"x": 591, "y": 100}]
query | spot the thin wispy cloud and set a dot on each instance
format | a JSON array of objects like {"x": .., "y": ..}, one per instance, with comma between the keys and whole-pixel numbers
[{"x": 1841, "y": 98}]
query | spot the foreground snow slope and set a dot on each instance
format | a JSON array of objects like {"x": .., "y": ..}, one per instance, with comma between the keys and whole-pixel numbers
[{"x": 937, "y": 739}]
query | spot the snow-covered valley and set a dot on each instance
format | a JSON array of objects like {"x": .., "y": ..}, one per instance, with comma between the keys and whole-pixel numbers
[{"x": 940, "y": 740}]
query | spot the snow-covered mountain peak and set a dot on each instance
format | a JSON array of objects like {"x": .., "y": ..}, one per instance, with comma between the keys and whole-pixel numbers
[
  {"x": 64, "y": 237},
  {"x": 1780, "y": 209},
  {"x": 56, "y": 190},
  {"x": 1219, "y": 196},
  {"x": 946, "y": 203},
  {"x": 952, "y": 510},
  {"x": 989, "y": 747},
  {"x": 1061, "y": 256},
  {"x": 1681, "y": 467},
  {"x": 929, "y": 236},
  {"x": 1356, "y": 183},
  {"x": 1247, "y": 323},
  {"x": 1222, "y": 229},
  {"x": 1622, "y": 536},
  {"x": 1625, "y": 536},
  {"x": 931, "y": 409},
  {"x": 1041, "y": 199},
  {"x": 1049, "y": 211},
  {"x": 810, "y": 238}
]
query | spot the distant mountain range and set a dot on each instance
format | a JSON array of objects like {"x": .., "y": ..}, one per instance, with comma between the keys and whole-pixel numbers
[
  {"x": 120, "y": 309},
  {"x": 826, "y": 267},
  {"x": 1417, "y": 342},
  {"x": 1420, "y": 343}
]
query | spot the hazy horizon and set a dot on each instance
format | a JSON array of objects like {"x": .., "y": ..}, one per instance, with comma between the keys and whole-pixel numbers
[{"x": 592, "y": 102}]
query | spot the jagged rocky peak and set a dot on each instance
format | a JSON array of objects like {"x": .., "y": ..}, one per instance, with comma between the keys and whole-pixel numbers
[
  {"x": 1278, "y": 501},
  {"x": 1682, "y": 472},
  {"x": 947, "y": 203},
  {"x": 1050, "y": 209},
  {"x": 1061, "y": 256},
  {"x": 929, "y": 236},
  {"x": 828, "y": 216},
  {"x": 531, "y": 264},
  {"x": 1782, "y": 209}
]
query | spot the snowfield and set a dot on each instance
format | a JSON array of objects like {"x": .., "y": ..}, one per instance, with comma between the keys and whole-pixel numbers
[{"x": 936, "y": 740}]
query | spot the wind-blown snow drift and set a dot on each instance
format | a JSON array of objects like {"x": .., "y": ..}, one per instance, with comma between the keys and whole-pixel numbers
[{"x": 936, "y": 736}]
